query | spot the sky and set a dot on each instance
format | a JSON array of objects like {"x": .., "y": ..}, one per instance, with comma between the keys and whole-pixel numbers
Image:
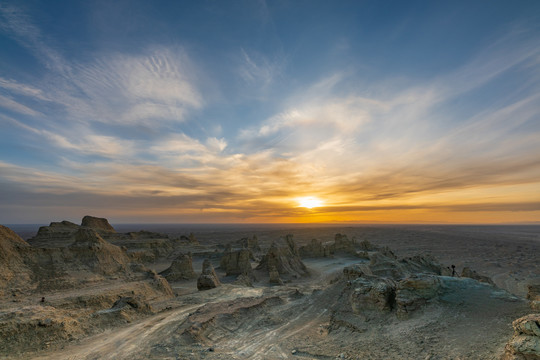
[{"x": 270, "y": 111}]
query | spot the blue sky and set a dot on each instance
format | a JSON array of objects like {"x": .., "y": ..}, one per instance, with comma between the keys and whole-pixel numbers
[{"x": 230, "y": 111}]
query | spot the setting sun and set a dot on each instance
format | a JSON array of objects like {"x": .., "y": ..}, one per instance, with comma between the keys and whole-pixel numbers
[{"x": 309, "y": 202}]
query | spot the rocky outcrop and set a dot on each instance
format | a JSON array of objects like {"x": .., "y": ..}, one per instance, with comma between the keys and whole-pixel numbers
[
  {"x": 283, "y": 255},
  {"x": 343, "y": 244},
  {"x": 14, "y": 273},
  {"x": 525, "y": 344},
  {"x": 247, "y": 243},
  {"x": 468, "y": 272},
  {"x": 386, "y": 283},
  {"x": 414, "y": 292},
  {"x": 59, "y": 234},
  {"x": 314, "y": 249},
  {"x": 99, "y": 224},
  {"x": 180, "y": 269},
  {"x": 372, "y": 293},
  {"x": 91, "y": 251},
  {"x": 236, "y": 262},
  {"x": 190, "y": 239},
  {"x": 208, "y": 278}
]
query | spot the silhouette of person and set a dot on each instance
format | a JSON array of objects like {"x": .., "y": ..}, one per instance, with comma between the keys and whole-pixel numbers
[
  {"x": 453, "y": 270},
  {"x": 43, "y": 299}
]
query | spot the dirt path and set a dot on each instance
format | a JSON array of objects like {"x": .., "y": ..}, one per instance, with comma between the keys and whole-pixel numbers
[{"x": 122, "y": 343}]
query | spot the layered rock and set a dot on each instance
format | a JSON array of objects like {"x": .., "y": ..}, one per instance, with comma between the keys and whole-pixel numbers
[
  {"x": 237, "y": 262},
  {"x": 525, "y": 344},
  {"x": 208, "y": 278},
  {"x": 99, "y": 256},
  {"x": 180, "y": 269},
  {"x": 14, "y": 273},
  {"x": 283, "y": 255}
]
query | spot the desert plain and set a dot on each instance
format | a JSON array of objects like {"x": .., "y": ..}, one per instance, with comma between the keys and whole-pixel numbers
[{"x": 94, "y": 291}]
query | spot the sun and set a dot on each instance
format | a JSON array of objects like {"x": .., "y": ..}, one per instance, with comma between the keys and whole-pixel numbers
[{"x": 309, "y": 202}]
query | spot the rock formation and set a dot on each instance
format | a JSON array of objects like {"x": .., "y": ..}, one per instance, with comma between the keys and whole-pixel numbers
[
  {"x": 180, "y": 269},
  {"x": 14, "y": 273},
  {"x": 525, "y": 344},
  {"x": 99, "y": 224},
  {"x": 236, "y": 262},
  {"x": 386, "y": 283},
  {"x": 101, "y": 257},
  {"x": 343, "y": 244},
  {"x": 208, "y": 278},
  {"x": 274, "y": 276},
  {"x": 284, "y": 256},
  {"x": 467, "y": 272},
  {"x": 314, "y": 249}
]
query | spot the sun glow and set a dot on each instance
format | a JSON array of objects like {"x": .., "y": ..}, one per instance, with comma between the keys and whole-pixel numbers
[{"x": 309, "y": 202}]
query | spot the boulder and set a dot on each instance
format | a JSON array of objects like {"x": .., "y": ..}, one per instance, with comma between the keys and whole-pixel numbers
[
  {"x": 525, "y": 344},
  {"x": 180, "y": 269},
  {"x": 208, "y": 278}
]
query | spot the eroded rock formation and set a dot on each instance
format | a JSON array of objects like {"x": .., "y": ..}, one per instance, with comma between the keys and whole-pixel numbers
[
  {"x": 208, "y": 278},
  {"x": 237, "y": 262},
  {"x": 180, "y": 269},
  {"x": 283, "y": 255}
]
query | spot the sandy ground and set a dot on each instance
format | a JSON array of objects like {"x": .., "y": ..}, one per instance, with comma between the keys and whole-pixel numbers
[{"x": 295, "y": 321}]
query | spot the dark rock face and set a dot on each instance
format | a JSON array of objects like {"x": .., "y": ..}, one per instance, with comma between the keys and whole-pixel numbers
[
  {"x": 208, "y": 278},
  {"x": 283, "y": 255},
  {"x": 180, "y": 269},
  {"x": 237, "y": 262},
  {"x": 100, "y": 224}
]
